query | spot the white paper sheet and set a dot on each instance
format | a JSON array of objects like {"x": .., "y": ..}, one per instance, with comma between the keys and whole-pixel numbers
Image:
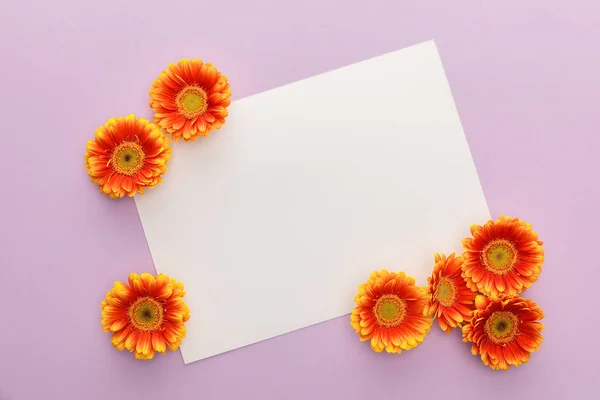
[{"x": 273, "y": 221}]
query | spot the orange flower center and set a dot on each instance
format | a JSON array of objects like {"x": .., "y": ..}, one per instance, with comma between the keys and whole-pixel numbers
[
  {"x": 390, "y": 310},
  {"x": 128, "y": 158},
  {"x": 499, "y": 256},
  {"x": 192, "y": 101},
  {"x": 146, "y": 314},
  {"x": 446, "y": 292},
  {"x": 502, "y": 326}
]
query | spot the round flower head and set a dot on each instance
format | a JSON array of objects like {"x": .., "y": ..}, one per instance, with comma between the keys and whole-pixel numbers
[
  {"x": 147, "y": 315},
  {"x": 389, "y": 312},
  {"x": 190, "y": 99},
  {"x": 450, "y": 300},
  {"x": 504, "y": 256},
  {"x": 504, "y": 330},
  {"x": 127, "y": 156}
]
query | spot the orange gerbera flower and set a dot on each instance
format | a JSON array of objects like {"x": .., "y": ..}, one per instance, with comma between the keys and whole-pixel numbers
[
  {"x": 505, "y": 330},
  {"x": 450, "y": 300},
  {"x": 126, "y": 156},
  {"x": 389, "y": 312},
  {"x": 502, "y": 257},
  {"x": 190, "y": 99},
  {"x": 146, "y": 316}
]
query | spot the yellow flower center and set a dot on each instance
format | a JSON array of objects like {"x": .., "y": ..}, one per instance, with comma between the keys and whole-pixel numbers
[
  {"x": 192, "y": 101},
  {"x": 499, "y": 256},
  {"x": 390, "y": 310},
  {"x": 128, "y": 158},
  {"x": 502, "y": 327},
  {"x": 446, "y": 292},
  {"x": 146, "y": 314}
]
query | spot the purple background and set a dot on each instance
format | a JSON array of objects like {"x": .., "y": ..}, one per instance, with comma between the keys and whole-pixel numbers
[{"x": 525, "y": 76}]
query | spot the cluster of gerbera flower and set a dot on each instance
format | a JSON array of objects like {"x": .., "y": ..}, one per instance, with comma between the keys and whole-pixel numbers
[
  {"x": 128, "y": 155},
  {"x": 477, "y": 291}
]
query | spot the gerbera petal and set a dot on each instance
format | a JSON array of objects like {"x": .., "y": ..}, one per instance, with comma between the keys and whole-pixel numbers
[
  {"x": 201, "y": 125},
  {"x": 174, "y": 316},
  {"x": 118, "y": 338},
  {"x": 149, "y": 283},
  {"x": 444, "y": 325},
  {"x": 144, "y": 343},
  {"x": 451, "y": 313},
  {"x": 164, "y": 292},
  {"x": 527, "y": 343},
  {"x": 132, "y": 340},
  {"x": 209, "y": 117},
  {"x": 477, "y": 274},
  {"x": 524, "y": 269},
  {"x": 462, "y": 309},
  {"x": 119, "y": 324},
  {"x": 173, "y": 346},
  {"x": 499, "y": 283},
  {"x": 158, "y": 342},
  {"x": 145, "y": 356},
  {"x": 218, "y": 111},
  {"x": 136, "y": 284}
]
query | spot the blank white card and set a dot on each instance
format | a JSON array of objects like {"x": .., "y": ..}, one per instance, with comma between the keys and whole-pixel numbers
[{"x": 273, "y": 221}]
